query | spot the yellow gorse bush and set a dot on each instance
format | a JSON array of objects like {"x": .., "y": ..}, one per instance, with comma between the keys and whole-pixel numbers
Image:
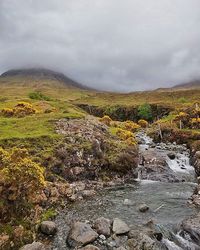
[
  {"x": 20, "y": 110},
  {"x": 106, "y": 120},
  {"x": 131, "y": 141},
  {"x": 20, "y": 176},
  {"x": 131, "y": 126},
  {"x": 7, "y": 112},
  {"x": 143, "y": 123},
  {"x": 195, "y": 123},
  {"x": 24, "y": 109},
  {"x": 195, "y": 120},
  {"x": 127, "y": 136}
]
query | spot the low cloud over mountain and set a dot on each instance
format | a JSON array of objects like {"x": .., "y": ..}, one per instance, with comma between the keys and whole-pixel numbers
[{"x": 122, "y": 45}]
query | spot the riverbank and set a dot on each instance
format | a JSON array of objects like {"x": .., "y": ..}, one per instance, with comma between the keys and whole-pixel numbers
[
  {"x": 94, "y": 174},
  {"x": 166, "y": 201}
]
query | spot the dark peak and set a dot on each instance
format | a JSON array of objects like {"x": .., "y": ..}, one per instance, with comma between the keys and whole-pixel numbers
[{"x": 40, "y": 73}]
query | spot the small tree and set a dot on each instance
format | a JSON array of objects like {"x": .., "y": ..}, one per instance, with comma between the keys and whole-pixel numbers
[{"x": 145, "y": 112}]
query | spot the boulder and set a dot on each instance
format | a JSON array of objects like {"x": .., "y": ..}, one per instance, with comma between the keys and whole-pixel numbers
[
  {"x": 81, "y": 234},
  {"x": 171, "y": 156},
  {"x": 102, "y": 226},
  {"x": 48, "y": 227},
  {"x": 34, "y": 246},
  {"x": 120, "y": 227},
  {"x": 89, "y": 247},
  {"x": 143, "y": 208}
]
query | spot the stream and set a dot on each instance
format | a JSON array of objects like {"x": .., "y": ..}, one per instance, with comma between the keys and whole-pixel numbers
[{"x": 168, "y": 201}]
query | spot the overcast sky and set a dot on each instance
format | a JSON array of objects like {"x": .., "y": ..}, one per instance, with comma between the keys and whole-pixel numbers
[{"x": 120, "y": 45}]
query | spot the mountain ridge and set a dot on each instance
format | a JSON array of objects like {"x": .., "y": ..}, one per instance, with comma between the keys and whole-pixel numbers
[{"x": 42, "y": 73}]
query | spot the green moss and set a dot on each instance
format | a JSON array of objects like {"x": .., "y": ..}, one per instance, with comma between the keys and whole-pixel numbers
[{"x": 48, "y": 214}]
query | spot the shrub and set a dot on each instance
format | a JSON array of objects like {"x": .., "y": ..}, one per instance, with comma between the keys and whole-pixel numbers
[
  {"x": 145, "y": 112},
  {"x": 48, "y": 214},
  {"x": 143, "y": 123},
  {"x": 131, "y": 141},
  {"x": 20, "y": 110},
  {"x": 195, "y": 123},
  {"x": 106, "y": 120},
  {"x": 131, "y": 126},
  {"x": 20, "y": 178},
  {"x": 39, "y": 96},
  {"x": 124, "y": 134},
  {"x": 23, "y": 109},
  {"x": 182, "y": 100},
  {"x": 7, "y": 112},
  {"x": 183, "y": 119}
]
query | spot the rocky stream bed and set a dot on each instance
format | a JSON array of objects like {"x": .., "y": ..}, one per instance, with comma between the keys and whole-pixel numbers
[{"x": 154, "y": 211}]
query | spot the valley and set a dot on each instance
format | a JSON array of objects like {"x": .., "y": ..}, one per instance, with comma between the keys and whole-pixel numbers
[{"x": 73, "y": 154}]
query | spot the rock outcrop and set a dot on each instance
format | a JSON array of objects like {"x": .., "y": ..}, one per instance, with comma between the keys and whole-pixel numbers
[{"x": 89, "y": 151}]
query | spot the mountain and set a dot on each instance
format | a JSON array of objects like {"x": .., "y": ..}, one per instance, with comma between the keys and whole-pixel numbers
[
  {"x": 37, "y": 74},
  {"x": 189, "y": 85}
]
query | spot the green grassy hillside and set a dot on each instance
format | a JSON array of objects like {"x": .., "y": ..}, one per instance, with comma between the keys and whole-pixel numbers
[{"x": 60, "y": 101}]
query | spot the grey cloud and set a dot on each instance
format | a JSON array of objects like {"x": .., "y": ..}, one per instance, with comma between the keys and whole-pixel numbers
[{"x": 121, "y": 45}]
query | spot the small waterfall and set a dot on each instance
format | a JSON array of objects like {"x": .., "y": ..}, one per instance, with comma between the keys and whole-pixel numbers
[
  {"x": 181, "y": 166},
  {"x": 185, "y": 244},
  {"x": 171, "y": 245},
  {"x": 139, "y": 177}
]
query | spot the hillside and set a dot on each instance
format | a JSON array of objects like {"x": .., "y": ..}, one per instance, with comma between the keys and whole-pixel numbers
[
  {"x": 188, "y": 85},
  {"x": 55, "y": 96},
  {"x": 39, "y": 74},
  {"x": 45, "y": 128}
]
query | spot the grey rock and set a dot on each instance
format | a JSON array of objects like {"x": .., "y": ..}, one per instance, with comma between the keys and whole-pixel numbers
[
  {"x": 171, "y": 156},
  {"x": 102, "y": 226},
  {"x": 88, "y": 193},
  {"x": 143, "y": 208},
  {"x": 48, "y": 227},
  {"x": 81, "y": 234},
  {"x": 102, "y": 237},
  {"x": 34, "y": 246},
  {"x": 89, "y": 247},
  {"x": 112, "y": 244},
  {"x": 141, "y": 241},
  {"x": 120, "y": 227},
  {"x": 72, "y": 198}
]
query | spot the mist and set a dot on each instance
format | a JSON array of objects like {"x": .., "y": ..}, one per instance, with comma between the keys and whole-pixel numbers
[{"x": 122, "y": 45}]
